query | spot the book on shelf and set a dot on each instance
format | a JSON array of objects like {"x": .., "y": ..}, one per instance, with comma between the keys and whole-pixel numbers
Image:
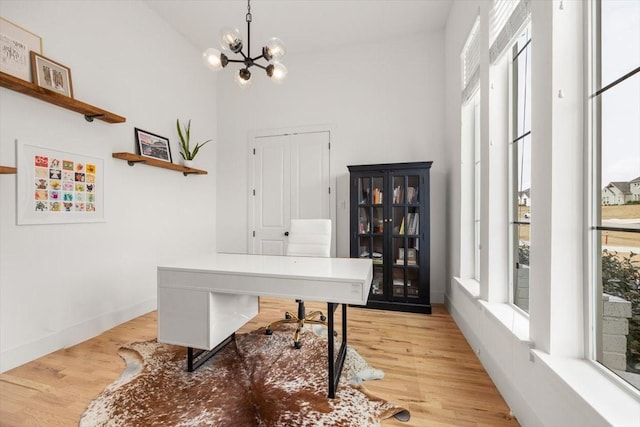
[
  {"x": 377, "y": 196},
  {"x": 400, "y": 261},
  {"x": 412, "y": 226},
  {"x": 411, "y": 256},
  {"x": 398, "y": 194},
  {"x": 413, "y": 223},
  {"x": 377, "y": 257},
  {"x": 365, "y": 196},
  {"x": 364, "y": 227},
  {"x": 410, "y": 192}
]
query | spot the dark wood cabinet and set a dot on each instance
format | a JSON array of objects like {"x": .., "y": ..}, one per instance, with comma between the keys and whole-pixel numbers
[{"x": 389, "y": 223}]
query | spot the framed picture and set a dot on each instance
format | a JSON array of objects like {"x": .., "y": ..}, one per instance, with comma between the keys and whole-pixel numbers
[
  {"x": 51, "y": 75},
  {"x": 57, "y": 187},
  {"x": 152, "y": 145},
  {"x": 15, "y": 45}
]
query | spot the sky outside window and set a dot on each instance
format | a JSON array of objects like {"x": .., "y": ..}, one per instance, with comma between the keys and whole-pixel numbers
[{"x": 620, "y": 34}]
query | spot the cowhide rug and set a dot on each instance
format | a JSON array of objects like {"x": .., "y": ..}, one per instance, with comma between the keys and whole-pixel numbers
[{"x": 258, "y": 380}]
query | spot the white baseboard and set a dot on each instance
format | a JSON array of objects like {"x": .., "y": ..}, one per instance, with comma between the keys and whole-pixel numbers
[{"x": 72, "y": 335}]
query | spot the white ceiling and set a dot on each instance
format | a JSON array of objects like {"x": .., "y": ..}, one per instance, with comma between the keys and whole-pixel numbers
[{"x": 303, "y": 25}]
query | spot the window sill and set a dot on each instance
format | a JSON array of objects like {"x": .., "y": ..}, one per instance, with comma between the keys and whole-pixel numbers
[
  {"x": 510, "y": 318},
  {"x": 611, "y": 397},
  {"x": 470, "y": 286}
]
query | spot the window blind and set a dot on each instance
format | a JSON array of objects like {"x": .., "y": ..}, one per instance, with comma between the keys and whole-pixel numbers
[
  {"x": 506, "y": 19},
  {"x": 471, "y": 61}
]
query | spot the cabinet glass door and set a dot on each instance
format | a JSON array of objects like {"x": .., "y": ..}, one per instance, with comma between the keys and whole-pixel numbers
[
  {"x": 371, "y": 221},
  {"x": 405, "y": 232}
]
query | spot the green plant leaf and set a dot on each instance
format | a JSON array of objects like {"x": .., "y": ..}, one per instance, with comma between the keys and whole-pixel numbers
[{"x": 184, "y": 133}]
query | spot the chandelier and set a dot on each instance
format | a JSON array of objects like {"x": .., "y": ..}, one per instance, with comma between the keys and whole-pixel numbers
[{"x": 231, "y": 41}]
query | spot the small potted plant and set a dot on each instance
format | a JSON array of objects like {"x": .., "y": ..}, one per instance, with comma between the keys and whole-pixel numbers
[{"x": 186, "y": 151}]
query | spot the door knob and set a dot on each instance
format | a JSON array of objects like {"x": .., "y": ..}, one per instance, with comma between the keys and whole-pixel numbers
[{"x": 286, "y": 233}]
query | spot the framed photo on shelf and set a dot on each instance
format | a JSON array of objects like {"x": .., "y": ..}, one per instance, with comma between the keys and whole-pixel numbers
[
  {"x": 51, "y": 75},
  {"x": 152, "y": 145},
  {"x": 15, "y": 45}
]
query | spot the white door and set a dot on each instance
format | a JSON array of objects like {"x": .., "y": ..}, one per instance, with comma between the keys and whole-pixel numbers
[{"x": 290, "y": 180}]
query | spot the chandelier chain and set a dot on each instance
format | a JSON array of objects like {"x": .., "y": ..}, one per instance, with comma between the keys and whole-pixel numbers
[{"x": 248, "y": 16}]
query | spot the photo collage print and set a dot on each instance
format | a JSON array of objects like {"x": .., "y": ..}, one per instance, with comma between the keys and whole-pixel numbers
[{"x": 64, "y": 185}]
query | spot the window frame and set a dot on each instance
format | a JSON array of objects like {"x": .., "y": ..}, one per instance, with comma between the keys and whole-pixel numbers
[
  {"x": 594, "y": 188},
  {"x": 514, "y": 138},
  {"x": 470, "y": 152}
]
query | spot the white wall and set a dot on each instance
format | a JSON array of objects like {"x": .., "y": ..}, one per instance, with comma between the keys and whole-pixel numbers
[
  {"x": 383, "y": 104},
  {"x": 61, "y": 284}
]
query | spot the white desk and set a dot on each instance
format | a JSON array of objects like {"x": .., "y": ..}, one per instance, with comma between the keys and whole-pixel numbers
[{"x": 203, "y": 301}]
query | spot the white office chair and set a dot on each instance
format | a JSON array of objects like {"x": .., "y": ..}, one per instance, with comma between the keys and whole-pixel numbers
[{"x": 307, "y": 237}]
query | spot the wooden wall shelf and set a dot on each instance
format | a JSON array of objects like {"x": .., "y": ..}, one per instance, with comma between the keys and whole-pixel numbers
[
  {"x": 132, "y": 159},
  {"x": 89, "y": 111},
  {"x": 7, "y": 170}
]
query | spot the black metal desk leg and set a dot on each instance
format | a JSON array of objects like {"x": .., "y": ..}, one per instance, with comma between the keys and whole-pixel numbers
[
  {"x": 330, "y": 360},
  {"x": 335, "y": 364},
  {"x": 195, "y": 358}
]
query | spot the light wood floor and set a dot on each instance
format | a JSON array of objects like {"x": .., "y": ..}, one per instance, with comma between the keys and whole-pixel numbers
[{"x": 429, "y": 369}]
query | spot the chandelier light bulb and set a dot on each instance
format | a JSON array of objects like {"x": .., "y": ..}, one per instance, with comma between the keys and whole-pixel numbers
[
  {"x": 230, "y": 39},
  {"x": 277, "y": 72},
  {"x": 214, "y": 59},
  {"x": 274, "y": 49},
  {"x": 243, "y": 78}
]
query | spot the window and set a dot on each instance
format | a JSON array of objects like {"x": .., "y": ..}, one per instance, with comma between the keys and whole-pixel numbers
[
  {"x": 510, "y": 44},
  {"x": 520, "y": 154},
  {"x": 470, "y": 185},
  {"x": 615, "y": 184},
  {"x": 477, "y": 188},
  {"x": 470, "y": 155}
]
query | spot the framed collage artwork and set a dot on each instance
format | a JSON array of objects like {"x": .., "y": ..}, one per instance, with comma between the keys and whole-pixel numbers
[{"x": 56, "y": 187}]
